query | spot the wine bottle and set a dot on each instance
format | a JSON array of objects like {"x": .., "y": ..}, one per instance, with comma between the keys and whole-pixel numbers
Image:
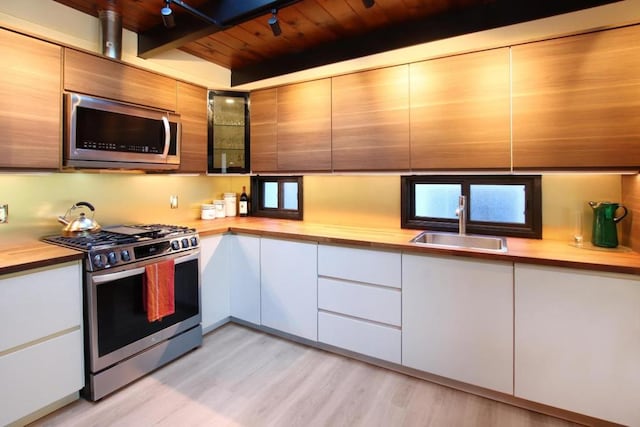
[{"x": 244, "y": 203}]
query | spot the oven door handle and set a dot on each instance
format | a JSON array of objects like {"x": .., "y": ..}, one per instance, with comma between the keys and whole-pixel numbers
[
  {"x": 109, "y": 277},
  {"x": 190, "y": 257}
]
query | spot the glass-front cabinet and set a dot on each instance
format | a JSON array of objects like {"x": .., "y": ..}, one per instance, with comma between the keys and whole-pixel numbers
[{"x": 228, "y": 133}]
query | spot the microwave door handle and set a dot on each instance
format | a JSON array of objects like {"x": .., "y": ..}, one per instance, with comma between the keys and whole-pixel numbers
[
  {"x": 167, "y": 136},
  {"x": 110, "y": 277}
]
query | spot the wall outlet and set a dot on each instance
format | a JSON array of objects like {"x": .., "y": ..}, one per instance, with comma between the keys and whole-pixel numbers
[
  {"x": 4, "y": 214},
  {"x": 173, "y": 202}
]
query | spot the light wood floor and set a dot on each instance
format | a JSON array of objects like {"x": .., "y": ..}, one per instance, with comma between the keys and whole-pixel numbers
[{"x": 241, "y": 377}]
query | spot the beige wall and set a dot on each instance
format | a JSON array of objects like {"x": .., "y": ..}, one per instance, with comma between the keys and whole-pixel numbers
[{"x": 35, "y": 200}]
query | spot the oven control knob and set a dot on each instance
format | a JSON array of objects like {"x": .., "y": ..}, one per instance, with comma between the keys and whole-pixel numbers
[
  {"x": 185, "y": 243},
  {"x": 125, "y": 255},
  {"x": 175, "y": 245},
  {"x": 97, "y": 261},
  {"x": 112, "y": 258},
  {"x": 194, "y": 241}
]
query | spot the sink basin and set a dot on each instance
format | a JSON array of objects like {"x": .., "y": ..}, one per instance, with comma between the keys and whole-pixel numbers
[{"x": 464, "y": 241}]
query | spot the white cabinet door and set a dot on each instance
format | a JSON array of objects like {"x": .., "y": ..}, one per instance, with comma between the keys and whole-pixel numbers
[
  {"x": 39, "y": 303},
  {"x": 244, "y": 277},
  {"x": 36, "y": 376},
  {"x": 214, "y": 283},
  {"x": 577, "y": 341},
  {"x": 360, "y": 265},
  {"x": 289, "y": 286},
  {"x": 457, "y": 319}
]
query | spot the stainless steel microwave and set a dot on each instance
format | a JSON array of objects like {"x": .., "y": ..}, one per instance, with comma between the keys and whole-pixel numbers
[{"x": 105, "y": 134}]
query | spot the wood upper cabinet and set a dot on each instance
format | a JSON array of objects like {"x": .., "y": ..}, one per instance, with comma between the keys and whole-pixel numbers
[
  {"x": 30, "y": 102},
  {"x": 264, "y": 130},
  {"x": 460, "y": 112},
  {"x": 304, "y": 126},
  {"x": 576, "y": 101},
  {"x": 370, "y": 120},
  {"x": 192, "y": 106},
  {"x": 107, "y": 78}
]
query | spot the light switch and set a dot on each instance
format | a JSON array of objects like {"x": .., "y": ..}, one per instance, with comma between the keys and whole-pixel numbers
[
  {"x": 173, "y": 202},
  {"x": 4, "y": 214}
]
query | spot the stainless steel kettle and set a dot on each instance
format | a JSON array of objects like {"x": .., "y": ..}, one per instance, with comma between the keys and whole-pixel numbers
[{"x": 81, "y": 223}]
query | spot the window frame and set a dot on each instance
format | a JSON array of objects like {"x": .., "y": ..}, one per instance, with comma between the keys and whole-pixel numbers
[
  {"x": 257, "y": 198},
  {"x": 532, "y": 228}
]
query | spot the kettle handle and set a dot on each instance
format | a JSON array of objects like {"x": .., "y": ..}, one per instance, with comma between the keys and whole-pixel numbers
[
  {"x": 92, "y": 209},
  {"x": 618, "y": 218}
]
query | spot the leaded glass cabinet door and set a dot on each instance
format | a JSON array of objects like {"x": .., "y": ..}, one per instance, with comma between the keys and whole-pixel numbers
[{"x": 228, "y": 133}]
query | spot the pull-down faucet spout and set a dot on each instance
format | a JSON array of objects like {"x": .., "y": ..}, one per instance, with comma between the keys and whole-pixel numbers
[{"x": 461, "y": 212}]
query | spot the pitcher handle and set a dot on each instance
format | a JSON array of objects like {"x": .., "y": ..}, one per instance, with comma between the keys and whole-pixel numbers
[{"x": 618, "y": 218}]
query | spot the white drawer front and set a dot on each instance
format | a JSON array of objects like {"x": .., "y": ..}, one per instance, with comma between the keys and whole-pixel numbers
[
  {"x": 371, "y": 339},
  {"x": 37, "y": 376},
  {"x": 360, "y": 265},
  {"x": 39, "y": 303},
  {"x": 360, "y": 300}
]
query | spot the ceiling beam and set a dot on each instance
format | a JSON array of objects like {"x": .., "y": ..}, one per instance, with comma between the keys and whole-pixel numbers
[
  {"x": 189, "y": 28},
  {"x": 479, "y": 18}
]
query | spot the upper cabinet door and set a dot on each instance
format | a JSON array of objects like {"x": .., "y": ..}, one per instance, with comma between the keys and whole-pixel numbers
[
  {"x": 576, "y": 101},
  {"x": 108, "y": 78},
  {"x": 30, "y": 102},
  {"x": 460, "y": 112},
  {"x": 192, "y": 106},
  {"x": 264, "y": 130},
  {"x": 370, "y": 120},
  {"x": 304, "y": 126}
]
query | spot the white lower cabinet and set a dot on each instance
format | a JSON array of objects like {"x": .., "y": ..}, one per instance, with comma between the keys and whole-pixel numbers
[
  {"x": 214, "y": 282},
  {"x": 359, "y": 300},
  {"x": 41, "y": 347},
  {"x": 288, "y": 278},
  {"x": 244, "y": 277},
  {"x": 577, "y": 341},
  {"x": 457, "y": 319}
]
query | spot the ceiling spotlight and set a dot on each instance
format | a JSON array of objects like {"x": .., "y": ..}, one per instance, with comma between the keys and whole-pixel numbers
[
  {"x": 167, "y": 15},
  {"x": 368, "y": 3},
  {"x": 273, "y": 23}
]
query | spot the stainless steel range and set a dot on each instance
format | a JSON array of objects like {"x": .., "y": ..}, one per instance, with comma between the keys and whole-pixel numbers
[{"x": 122, "y": 344}]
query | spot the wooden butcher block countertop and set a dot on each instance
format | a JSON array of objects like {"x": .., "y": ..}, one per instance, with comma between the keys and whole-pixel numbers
[{"x": 543, "y": 252}]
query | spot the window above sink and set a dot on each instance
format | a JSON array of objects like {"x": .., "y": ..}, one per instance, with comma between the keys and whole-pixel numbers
[{"x": 502, "y": 205}]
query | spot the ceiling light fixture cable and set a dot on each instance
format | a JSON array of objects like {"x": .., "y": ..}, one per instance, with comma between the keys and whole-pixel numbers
[
  {"x": 167, "y": 12},
  {"x": 273, "y": 23},
  {"x": 368, "y": 3}
]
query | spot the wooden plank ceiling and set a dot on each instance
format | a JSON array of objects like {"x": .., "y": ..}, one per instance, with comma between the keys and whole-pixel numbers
[{"x": 314, "y": 32}]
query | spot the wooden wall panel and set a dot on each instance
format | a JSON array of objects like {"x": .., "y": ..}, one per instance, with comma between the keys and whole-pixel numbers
[
  {"x": 370, "y": 120},
  {"x": 264, "y": 130},
  {"x": 30, "y": 102},
  {"x": 460, "y": 112},
  {"x": 576, "y": 101},
  {"x": 192, "y": 106},
  {"x": 304, "y": 126},
  {"x": 108, "y": 78}
]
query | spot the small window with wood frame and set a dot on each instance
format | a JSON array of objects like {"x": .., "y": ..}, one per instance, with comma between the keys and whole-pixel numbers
[
  {"x": 509, "y": 205},
  {"x": 277, "y": 197}
]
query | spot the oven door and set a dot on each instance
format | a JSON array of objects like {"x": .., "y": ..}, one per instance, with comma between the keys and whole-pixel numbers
[{"x": 117, "y": 325}]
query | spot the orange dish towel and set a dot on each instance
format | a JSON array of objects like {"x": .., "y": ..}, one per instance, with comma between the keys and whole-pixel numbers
[{"x": 159, "y": 290}]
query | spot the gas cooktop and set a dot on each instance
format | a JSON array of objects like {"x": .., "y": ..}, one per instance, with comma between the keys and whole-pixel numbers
[{"x": 126, "y": 244}]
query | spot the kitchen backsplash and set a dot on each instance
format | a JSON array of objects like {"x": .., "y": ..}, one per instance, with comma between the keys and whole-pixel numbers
[{"x": 35, "y": 200}]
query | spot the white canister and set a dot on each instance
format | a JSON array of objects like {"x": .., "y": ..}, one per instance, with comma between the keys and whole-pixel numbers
[
  {"x": 207, "y": 211},
  {"x": 219, "y": 207},
  {"x": 230, "y": 204}
]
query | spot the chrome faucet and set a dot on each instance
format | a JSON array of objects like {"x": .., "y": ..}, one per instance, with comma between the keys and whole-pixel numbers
[{"x": 461, "y": 212}]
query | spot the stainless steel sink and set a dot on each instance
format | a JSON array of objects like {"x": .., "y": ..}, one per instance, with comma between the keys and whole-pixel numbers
[{"x": 463, "y": 241}]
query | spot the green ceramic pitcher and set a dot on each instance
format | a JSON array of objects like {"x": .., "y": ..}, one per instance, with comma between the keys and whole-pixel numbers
[{"x": 605, "y": 232}]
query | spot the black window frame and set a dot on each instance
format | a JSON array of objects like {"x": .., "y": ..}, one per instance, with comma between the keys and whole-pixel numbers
[
  {"x": 257, "y": 198},
  {"x": 532, "y": 228}
]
